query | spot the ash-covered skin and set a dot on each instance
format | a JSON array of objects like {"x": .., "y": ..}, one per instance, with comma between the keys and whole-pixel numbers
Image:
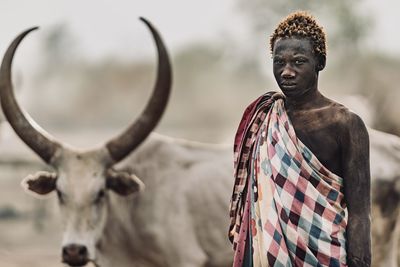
[{"x": 333, "y": 133}]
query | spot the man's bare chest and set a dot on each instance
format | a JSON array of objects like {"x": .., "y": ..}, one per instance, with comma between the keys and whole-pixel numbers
[{"x": 321, "y": 135}]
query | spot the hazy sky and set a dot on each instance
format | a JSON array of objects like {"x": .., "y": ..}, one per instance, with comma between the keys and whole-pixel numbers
[
  {"x": 105, "y": 27},
  {"x": 385, "y": 35}
]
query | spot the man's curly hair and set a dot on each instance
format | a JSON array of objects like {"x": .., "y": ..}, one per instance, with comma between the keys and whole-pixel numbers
[{"x": 301, "y": 24}]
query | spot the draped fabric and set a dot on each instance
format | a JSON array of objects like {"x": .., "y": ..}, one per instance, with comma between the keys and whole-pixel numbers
[{"x": 287, "y": 209}]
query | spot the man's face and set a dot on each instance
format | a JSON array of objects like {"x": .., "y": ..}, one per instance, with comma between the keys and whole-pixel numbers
[{"x": 294, "y": 66}]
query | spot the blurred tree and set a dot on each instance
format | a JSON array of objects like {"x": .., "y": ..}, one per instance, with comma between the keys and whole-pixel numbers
[{"x": 347, "y": 25}]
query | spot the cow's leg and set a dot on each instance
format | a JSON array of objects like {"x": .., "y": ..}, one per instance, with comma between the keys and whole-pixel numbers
[
  {"x": 392, "y": 247},
  {"x": 385, "y": 223}
]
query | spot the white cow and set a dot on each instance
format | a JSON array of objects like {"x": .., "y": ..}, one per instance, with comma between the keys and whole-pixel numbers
[
  {"x": 179, "y": 220},
  {"x": 181, "y": 217},
  {"x": 385, "y": 173}
]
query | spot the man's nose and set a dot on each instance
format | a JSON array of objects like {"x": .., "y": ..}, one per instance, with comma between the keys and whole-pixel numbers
[{"x": 288, "y": 72}]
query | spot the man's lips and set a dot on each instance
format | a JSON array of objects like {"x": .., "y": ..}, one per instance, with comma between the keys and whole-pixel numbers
[{"x": 288, "y": 84}]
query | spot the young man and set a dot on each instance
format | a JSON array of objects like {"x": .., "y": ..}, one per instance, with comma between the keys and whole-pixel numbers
[{"x": 302, "y": 190}]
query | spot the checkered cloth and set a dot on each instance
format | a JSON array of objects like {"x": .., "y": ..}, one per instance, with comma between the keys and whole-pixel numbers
[{"x": 287, "y": 209}]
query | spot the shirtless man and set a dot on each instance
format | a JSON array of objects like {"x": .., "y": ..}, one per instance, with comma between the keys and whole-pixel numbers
[{"x": 335, "y": 136}]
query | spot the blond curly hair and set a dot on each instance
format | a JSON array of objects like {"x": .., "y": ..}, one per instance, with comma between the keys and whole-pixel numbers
[{"x": 301, "y": 24}]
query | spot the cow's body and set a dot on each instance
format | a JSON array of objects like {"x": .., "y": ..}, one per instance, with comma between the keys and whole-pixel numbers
[
  {"x": 181, "y": 218},
  {"x": 385, "y": 174}
]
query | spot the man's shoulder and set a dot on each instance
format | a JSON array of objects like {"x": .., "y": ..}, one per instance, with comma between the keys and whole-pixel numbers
[
  {"x": 349, "y": 118},
  {"x": 343, "y": 115},
  {"x": 347, "y": 121}
]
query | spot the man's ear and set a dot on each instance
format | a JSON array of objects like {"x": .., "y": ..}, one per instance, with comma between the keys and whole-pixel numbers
[
  {"x": 321, "y": 62},
  {"x": 40, "y": 183},
  {"x": 123, "y": 183}
]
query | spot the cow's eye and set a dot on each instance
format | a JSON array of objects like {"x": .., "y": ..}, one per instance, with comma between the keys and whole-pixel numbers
[
  {"x": 61, "y": 197},
  {"x": 100, "y": 196}
]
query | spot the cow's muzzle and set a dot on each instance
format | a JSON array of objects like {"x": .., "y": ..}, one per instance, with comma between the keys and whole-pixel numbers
[{"x": 75, "y": 255}]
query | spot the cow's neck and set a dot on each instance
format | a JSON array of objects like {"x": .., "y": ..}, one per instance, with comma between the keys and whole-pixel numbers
[
  {"x": 137, "y": 234},
  {"x": 118, "y": 230},
  {"x": 121, "y": 240}
]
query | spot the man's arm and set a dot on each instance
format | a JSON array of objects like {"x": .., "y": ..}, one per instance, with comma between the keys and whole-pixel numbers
[{"x": 357, "y": 185}]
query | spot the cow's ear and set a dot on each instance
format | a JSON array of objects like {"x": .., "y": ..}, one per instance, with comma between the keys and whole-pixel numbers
[
  {"x": 40, "y": 183},
  {"x": 123, "y": 183}
]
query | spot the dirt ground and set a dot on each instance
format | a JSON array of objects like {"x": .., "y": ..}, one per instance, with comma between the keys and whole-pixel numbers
[{"x": 29, "y": 234}]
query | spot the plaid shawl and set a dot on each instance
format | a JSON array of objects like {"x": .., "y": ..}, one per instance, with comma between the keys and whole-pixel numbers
[{"x": 287, "y": 209}]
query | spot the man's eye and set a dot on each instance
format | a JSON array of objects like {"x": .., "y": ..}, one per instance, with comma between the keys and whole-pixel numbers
[
  {"x": 299, "y": 61},
  {"x": 278, "y": 61}
]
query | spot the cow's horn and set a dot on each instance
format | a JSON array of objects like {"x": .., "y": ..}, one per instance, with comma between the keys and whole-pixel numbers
[
  {"x": 122, "y": 145},
  {"x": 35, "y": 137}
]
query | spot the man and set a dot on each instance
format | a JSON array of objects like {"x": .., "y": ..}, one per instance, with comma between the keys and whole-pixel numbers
[{"x": 302, "y": 190}]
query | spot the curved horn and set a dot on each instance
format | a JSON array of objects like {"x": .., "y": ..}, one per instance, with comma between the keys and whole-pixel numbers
[
  {"x": 122, "y": 145},
  {"x": 35, "y": 137}
]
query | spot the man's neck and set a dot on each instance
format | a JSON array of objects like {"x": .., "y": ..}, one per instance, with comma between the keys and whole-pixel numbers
[{"x": 305, "y": 101}]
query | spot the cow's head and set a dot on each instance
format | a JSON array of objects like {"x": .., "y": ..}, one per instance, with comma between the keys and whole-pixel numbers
[{"x": 83, "y": 179}]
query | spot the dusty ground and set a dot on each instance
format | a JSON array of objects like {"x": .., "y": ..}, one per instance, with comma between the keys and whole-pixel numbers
[{"x": 28, "y": 231}]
